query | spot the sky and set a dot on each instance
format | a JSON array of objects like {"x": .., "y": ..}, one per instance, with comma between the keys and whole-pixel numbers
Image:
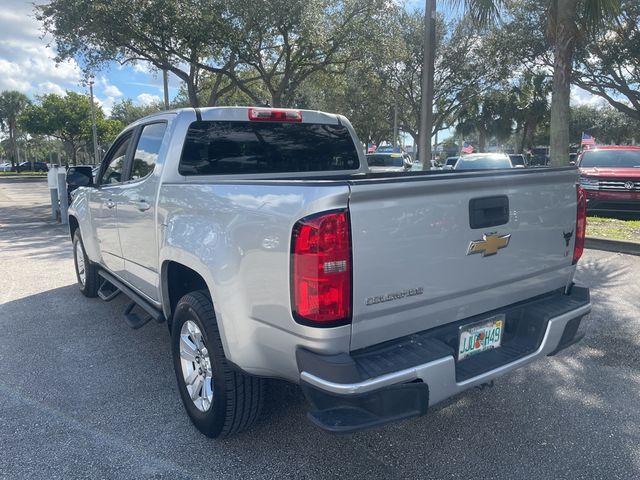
[{"x": 27, "y": 64}]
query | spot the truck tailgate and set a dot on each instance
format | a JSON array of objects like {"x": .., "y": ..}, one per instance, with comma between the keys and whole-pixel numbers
[{"x": 412, "y": 265}]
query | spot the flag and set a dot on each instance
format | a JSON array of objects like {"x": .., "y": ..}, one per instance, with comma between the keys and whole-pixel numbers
[
  {"x": 587, "y": 139},
  {"x": 371, "y": 148},
  {"x": 466, "y": 148}
]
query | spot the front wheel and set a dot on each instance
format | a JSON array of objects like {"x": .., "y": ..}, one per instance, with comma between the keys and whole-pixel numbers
[
  {"x": 220, "y": 401},
  {"x": 86, "y": 272}
]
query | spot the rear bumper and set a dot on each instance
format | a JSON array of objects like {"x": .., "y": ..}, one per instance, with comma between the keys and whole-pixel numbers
[
  {"x": 345, "y": 396},
  {"x": 612, "y": 201}
]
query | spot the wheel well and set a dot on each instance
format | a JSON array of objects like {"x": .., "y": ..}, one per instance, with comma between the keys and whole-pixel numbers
[
  {"x": 73, "y": 225},
  {"x": 178, "y": 281}
]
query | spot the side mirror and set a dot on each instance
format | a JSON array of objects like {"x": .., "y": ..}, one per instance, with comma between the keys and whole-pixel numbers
[{"x": 79, "y": 177}]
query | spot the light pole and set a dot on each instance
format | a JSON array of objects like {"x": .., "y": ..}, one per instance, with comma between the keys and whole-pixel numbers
[
  {"x": 165, "y": 84},
  {"x": 395, "y": 124},
  {"x": 96, "y": 155},
  {"x": 426, "y": 103}
]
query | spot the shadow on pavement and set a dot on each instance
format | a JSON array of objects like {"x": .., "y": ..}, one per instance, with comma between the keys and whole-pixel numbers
[
  {"x": 36, "y": 241},
  {"x": 21, "y": 214}
]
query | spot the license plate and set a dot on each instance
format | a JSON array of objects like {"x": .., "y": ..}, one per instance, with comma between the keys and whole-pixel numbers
[{"x": 480, "y": 337}]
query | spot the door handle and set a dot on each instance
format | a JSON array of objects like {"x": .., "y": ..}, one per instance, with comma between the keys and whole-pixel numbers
[
  {"x": 142, "y": 205},
  {"x": 110, "y": 204}
]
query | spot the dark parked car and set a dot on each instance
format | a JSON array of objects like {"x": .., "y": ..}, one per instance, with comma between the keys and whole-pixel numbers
[{"x": 33, "y": 167}]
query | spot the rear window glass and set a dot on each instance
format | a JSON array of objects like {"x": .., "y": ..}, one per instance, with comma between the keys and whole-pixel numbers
[
  {"x": 611, "y": 158},
  {"x": 227, "y": 148},
  {"x": 516, "y": 160},
  {"x": 482, "y": 163},
  {"x": 385, "y": 160}
]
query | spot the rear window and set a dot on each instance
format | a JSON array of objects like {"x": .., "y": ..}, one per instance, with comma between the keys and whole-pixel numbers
[
  {"x": 516, "y": 160},
  {"x": 227, "y": 148},
  {"x": 611, "y": 158},
  {"x": 482, "y": 163},
  {"x": 385, "y": 161}
]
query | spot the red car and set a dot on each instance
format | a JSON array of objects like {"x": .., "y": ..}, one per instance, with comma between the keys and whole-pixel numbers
[{"x": 611, "y": 178}]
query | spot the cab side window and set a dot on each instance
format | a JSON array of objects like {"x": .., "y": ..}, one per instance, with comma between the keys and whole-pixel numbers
[
  {"x": 147, "y": 150},
  {"x": 113, "y": 170}
]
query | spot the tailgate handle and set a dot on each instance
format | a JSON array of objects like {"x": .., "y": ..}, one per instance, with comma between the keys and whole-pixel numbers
[{"x": 488, "y": 211}]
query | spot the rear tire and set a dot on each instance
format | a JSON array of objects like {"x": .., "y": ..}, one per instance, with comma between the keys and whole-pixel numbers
[
  {"x": 219, "y": 400},
  {"x": 86, "y": 272}
]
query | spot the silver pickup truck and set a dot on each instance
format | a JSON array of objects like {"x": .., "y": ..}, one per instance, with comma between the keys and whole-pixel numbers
[{"x": 262, "y": 240}]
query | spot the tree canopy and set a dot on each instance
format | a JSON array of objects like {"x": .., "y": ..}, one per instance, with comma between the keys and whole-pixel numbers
[
  {"x": 68, "y": 118},
  {"x": 12, "y": 104},
  {"x": 363, "y": 58}
]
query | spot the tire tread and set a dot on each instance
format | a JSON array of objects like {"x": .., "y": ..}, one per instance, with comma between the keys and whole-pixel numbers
[
  {"x": 91, "y": 286},
  {"x": 244, "y": 393}
]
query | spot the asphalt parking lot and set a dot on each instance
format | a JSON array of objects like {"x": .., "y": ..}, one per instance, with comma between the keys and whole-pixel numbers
[{"x": 84, "y": 396}]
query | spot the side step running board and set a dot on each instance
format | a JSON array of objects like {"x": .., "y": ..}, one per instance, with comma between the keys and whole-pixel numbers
[
  {"x": 134, "y": 320},
  {"x": 108, "y": 291}
]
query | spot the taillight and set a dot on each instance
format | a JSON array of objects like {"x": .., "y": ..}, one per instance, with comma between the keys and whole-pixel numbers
[
  {"x": 581, "y": 224},
  {"x": 321, "y": 270},
  {"x": 274, "y": 115}
]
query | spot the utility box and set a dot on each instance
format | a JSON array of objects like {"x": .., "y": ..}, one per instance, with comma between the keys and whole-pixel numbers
[{"x": 52, "y": 177}]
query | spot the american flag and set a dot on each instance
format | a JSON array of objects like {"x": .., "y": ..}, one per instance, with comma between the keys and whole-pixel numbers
[
  {"x": 467, "y": 148},
  {"x": 587, "y": 139},
  {"x": 371, "y": 148}
]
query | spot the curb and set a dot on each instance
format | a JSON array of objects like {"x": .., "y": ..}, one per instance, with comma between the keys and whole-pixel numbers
[
  {"x": 22, "y": 178},
  {"x": 617, "y": 246}
]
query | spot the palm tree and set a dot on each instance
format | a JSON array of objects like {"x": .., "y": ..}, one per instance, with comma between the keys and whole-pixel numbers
[
  {"x": 12, "y": 103},
  {"x": 530, "y": 96},
  {"x": 567, "y": 22},
  {"x": 489, "y": 116}
]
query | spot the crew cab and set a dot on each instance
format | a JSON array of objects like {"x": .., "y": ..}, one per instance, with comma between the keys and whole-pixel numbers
[
  {"x": 610, "y": 176},
  {"x": 271, "y": 251}
]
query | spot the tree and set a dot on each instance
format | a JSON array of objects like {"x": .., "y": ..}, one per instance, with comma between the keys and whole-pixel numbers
[
  {"x": 68, "y": 118},
  {"x": 12, "y": 104},
  {"x": 466, "y": 67},
  {"x": 275, "y": 44},
  {"x": 285, "y": 42},
  {"x": 532, "y": 107},
  {"x": 490, "y": 116},
  {"x": 568, "y": 22},
  {"x": 609, "y": 66},
  {"x": 217, "y": 90},
  {"x": 126, "y": 112},
  {"x": 39, "y": 148},
  {"x": 361, "y": 94},
  {"x": 361, "y": 90},
  {"x": 181, "y": 37},
  {"x": 607, "y": 124}
]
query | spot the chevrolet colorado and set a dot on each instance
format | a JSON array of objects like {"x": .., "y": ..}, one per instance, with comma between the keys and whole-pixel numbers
[{"x": 262, "y": 240}]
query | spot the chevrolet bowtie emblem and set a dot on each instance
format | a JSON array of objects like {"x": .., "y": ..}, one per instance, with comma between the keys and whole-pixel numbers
[{"x": 489, "y": 245}]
